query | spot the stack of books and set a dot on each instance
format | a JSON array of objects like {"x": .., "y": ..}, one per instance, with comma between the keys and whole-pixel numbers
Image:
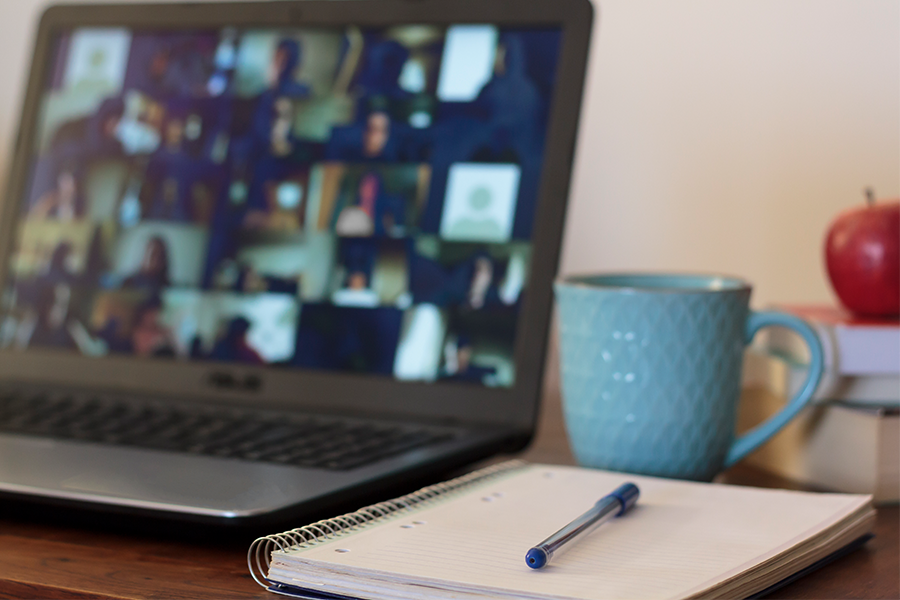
[{"x": 848, "y": 439}]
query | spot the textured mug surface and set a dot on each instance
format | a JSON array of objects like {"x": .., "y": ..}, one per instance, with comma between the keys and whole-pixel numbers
[{"x": 651, "y": 371}]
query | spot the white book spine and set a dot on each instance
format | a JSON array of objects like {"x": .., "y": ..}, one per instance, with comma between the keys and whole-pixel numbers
[
  {"x": 785, "y": 378},
  {"x": 854, "y": 350}
]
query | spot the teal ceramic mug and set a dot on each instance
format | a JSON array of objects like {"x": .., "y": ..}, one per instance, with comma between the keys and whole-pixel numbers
[{"x": 651, "y": 371}]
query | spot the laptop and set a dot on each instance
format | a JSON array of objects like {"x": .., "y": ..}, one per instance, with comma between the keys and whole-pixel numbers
[{"x": 262, "y": 259}]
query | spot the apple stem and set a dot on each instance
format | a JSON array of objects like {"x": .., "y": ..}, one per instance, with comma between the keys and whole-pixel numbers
[{"x": 870, "y": 196}]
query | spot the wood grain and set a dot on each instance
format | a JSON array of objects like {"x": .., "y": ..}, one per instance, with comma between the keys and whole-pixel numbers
[{"x": 43, "y": 557}]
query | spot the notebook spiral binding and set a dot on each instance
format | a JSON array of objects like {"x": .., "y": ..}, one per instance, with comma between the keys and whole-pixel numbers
[{"x": 260, "y": 553}]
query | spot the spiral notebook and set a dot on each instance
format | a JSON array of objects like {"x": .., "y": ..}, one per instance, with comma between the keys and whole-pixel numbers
[{"x": 467, "y": 538}]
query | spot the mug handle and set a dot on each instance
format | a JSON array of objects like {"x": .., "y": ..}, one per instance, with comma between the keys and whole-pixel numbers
[{"x": 754, "y": 438}]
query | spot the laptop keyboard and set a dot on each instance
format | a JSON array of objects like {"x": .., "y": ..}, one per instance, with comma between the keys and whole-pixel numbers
[{"x": 325, "y": 443}]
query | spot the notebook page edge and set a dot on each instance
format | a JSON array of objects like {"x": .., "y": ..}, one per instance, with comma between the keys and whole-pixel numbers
[{"x": 855, "y": 502}]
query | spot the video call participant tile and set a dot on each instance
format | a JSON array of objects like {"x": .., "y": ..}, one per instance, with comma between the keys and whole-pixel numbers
[
  {"x": 363, "y": 340},
  {"x": 473, "y": 276}
]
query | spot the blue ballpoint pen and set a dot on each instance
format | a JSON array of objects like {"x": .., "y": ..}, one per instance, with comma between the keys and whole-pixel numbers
[{"x": 609, "y": 506}]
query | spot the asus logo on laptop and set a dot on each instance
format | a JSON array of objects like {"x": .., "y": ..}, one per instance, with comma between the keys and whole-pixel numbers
[{"x": 228, "y": 381}]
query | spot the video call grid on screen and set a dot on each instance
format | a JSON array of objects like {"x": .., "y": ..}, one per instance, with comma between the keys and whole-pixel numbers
[{"x": 336, "y": 199}]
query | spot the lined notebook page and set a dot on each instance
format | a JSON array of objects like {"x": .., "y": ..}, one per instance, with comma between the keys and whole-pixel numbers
[{"x": 680, "y": 537}]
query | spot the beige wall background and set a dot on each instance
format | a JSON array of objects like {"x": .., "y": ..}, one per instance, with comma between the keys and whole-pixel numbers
[{"x": 716, "y": 135}]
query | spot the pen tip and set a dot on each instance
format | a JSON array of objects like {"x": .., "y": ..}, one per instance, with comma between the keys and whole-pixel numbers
[{"x": 536, "y": 558}]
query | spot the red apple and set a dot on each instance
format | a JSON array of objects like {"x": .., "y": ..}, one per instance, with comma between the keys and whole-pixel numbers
[{"x": 862, "y": 253}]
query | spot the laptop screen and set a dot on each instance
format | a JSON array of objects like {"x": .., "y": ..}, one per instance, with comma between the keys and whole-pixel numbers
[{"x": 332, "y": 199}]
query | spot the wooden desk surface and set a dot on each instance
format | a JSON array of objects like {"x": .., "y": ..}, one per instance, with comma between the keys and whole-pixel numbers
[{"x": 44, "y": 559}]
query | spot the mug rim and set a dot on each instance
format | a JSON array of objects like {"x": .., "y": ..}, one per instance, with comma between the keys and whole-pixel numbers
[{"x": 716, "y": 282}]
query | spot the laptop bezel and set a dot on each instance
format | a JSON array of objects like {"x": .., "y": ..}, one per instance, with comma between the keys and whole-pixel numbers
[{"x": 318, "y": 390}]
